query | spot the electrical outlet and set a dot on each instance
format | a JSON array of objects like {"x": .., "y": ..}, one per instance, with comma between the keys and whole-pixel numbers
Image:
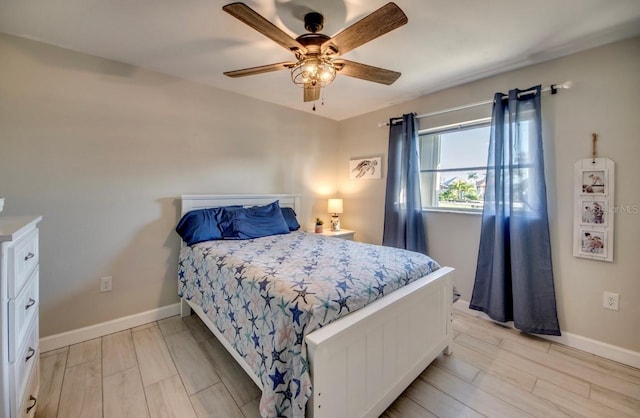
[
  {"x": 611, "y": 301},
  {"x": 106, "y": 284}
]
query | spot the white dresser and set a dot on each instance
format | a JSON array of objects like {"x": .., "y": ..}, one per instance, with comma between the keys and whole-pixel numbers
[{"x": 19, "y": 303}]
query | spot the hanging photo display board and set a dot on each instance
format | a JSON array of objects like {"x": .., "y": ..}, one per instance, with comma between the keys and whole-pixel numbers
[{"x": 593, "y": 209}]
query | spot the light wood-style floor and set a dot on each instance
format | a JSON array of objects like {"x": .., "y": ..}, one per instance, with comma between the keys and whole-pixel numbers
[{"x": 176, "y": 368}]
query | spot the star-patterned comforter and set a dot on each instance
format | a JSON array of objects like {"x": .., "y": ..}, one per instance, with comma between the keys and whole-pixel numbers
[{"x": 265, "y": 295}]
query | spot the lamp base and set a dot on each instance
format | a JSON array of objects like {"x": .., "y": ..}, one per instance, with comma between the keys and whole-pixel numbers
[{"x": 335, "y": 223}]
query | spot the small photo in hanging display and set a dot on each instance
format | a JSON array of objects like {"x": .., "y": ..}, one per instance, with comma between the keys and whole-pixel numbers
[
  {"x": 594, "y": 182},
  {"x": 593, "y": 243},
  {"x": 594, "y": 212}
]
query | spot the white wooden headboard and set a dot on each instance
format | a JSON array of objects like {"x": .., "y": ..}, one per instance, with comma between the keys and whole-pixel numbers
[{"x": 202, "y": 201}]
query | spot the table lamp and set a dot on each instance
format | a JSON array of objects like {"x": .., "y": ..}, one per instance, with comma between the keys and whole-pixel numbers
[{"x": 334, "y": 208}]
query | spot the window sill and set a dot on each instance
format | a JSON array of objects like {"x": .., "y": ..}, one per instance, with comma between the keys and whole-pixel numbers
[{"x": 457, "y": 212}]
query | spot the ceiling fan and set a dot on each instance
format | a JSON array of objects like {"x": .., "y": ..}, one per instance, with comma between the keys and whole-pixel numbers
[{"x": 317, "y": 54}]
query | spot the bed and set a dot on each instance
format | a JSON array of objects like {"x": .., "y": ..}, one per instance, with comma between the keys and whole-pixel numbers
[{"x": 356, "y": 362}]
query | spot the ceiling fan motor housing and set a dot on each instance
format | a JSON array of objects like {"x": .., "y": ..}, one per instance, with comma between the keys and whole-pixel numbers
[{"x": 313, "y": 22}]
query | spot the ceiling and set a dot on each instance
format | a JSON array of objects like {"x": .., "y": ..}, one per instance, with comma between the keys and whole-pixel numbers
[{"x": 445, "y": 43}]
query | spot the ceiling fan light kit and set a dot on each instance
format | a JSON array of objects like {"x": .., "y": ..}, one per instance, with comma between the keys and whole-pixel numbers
[
  {"x": 317, "y": 61},
  {"x": 313, "y": 71}
]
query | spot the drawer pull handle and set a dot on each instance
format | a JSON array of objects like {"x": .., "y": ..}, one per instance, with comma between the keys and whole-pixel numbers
[
  {"x": 34, "y": 400},
  {"x": 29, "y": 255},
  {"x": 30, "y": 303},
  {"x": 31, "y": 352}
]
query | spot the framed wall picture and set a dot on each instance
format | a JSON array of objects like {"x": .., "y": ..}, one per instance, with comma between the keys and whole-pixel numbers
[
  {"x": 365, "y": 168},
  {"x": 593, "y": 216}
]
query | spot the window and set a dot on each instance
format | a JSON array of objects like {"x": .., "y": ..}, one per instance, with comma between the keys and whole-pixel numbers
[{"x": 453, "y": 165}]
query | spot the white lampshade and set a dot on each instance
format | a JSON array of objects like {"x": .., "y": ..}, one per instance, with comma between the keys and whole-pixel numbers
[{"x": 335, "y": 206}]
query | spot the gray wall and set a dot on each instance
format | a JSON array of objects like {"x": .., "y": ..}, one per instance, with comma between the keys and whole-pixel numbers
[
  {"x": 605, "y": 98},
  {"x": 103, "y": 150}
]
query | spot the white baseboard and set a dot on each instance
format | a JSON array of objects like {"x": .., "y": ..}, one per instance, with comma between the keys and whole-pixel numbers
[
  {"x": 52, "y": 342},
  {"x": 599, "y": 348},
  {"x": 75, "y": 336}
]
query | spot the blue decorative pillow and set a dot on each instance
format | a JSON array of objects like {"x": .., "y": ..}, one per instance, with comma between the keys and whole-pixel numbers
[
  {"x": 259, "y": 221},
  {"x": 225, "y": 218},
  {"x": 202, "y": 224},
  {"x": 290, "y": 218},
  {"x": 198, "y": 226}
]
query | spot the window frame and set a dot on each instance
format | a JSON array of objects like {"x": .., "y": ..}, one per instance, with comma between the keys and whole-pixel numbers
[{"x": 444, "y": 129}]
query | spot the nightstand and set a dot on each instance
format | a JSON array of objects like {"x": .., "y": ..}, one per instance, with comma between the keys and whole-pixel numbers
[{"x": 343, "y": 233}]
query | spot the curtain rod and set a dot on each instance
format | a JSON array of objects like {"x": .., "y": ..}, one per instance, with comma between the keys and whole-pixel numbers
[
  {"x": 552, "y": 88},
  {"x": 454, "y": 126}
]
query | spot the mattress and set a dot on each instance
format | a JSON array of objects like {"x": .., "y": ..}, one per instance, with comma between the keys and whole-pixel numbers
[{"x": 265, "y": 295}]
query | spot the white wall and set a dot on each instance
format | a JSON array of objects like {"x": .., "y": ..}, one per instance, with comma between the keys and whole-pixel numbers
[
  {"x": 605, "y": 98},
  {"x": 103, "y": 151}
]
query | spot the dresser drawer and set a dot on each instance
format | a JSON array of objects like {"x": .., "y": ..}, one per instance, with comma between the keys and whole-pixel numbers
[
  {"x": 23, "y": 258},
  {"x": 30, "y": 397},
  {"x": 25, "y": 362},
  {"x": 22, "y": 310}
]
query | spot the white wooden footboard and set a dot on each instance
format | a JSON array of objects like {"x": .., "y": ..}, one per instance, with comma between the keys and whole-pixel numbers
[{"x": 362, "y": 363}]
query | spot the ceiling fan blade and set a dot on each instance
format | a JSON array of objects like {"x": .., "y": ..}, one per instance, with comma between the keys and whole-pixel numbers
[
  {"x": 311, "y": 93},
  {"x": 383, "y": 20},
  {"x": 366, "y": 72},
  {"x": 260, "y": 70},
  {"x": 250, "y": 17}
]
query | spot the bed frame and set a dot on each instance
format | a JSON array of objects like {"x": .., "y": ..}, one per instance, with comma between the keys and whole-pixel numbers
[{"x": 362, "y": 362}]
